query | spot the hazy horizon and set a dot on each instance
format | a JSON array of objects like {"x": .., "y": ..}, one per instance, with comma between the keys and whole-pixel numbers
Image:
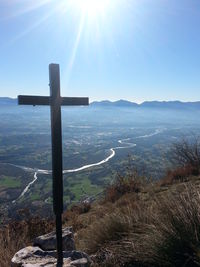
[{"x": 129, "y": 100}]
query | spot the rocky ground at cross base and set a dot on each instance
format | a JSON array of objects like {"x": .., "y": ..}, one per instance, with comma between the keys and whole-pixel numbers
[{"x": 43, "y": 252}]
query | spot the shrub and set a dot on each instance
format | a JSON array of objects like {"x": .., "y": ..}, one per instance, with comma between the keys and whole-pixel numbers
[
  {"x": 186, "y": 155},
  {"x": 180, "y": 174},
  {"x": 186, "y": 152},
  {"x": 131, "y": 183}
]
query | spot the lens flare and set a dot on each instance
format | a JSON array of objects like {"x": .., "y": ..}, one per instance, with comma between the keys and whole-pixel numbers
[{"x": 91, "y": 8}]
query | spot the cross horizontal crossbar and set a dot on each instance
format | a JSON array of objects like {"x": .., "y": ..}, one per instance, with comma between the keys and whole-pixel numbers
[{"x": 46, "y": 100}]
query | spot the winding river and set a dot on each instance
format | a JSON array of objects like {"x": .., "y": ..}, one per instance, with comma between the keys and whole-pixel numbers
[{"x": 112, "y": 150}]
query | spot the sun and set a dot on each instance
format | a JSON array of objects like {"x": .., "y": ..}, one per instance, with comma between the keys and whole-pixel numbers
[
  {"x": 90, "y": 8},
  {"x": 91, "y": 23}
]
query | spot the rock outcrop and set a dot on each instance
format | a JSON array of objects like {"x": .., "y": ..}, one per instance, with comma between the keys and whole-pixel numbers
[
  {"x": 48, "y": 241},
  {"x": 43, "y": 252}
]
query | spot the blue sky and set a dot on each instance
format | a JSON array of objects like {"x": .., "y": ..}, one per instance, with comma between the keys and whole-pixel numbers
[{"x": 128, "y": 49}]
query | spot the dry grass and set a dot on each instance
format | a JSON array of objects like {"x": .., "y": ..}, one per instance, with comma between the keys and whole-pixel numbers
[
  {"x": 162, "y": 229},
  {"x": 161, "y": 232},
  {"x": 17, "y": 235},
  {"x": 72, "y": 216},
  {"x": 176, "y": 230}
]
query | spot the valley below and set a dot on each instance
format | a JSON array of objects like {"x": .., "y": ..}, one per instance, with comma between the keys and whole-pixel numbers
[{"x": 99, "y": 143}]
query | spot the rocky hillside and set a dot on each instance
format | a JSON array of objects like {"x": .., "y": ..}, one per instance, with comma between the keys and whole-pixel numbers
[
  {"x": 154, "y": 225},
  {"x": 136, "y": 223}
]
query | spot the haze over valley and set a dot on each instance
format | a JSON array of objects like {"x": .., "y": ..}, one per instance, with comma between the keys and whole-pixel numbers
[{"x": 99, "y": 141}]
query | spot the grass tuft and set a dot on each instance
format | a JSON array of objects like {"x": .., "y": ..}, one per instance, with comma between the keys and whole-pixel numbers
[
  {"x": 161, "y": 232},
  {"x": 17, "y": 235}
]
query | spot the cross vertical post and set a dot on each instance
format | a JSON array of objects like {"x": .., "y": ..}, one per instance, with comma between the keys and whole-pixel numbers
[
  {"x": 55, "y": 101},
  {"x": 56, "y": 137}
]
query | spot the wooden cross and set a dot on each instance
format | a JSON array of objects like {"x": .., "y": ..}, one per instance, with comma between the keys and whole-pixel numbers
[{"x": 55, "y": 101}]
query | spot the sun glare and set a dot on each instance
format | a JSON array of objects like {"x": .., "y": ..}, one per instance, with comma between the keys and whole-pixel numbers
[
  {"x": 92, "y": 18},
  {"x": 90, "y": 8}
]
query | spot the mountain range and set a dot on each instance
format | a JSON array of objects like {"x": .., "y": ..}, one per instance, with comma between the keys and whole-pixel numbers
[{"x": 126, "y": 104}]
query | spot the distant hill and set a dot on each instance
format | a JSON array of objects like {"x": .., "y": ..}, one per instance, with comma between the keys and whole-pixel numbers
[
  {"x": 148, "y": 104},
  {"x": 126, "y": 104},
  {"x": 170, "y": 104},
  {"x": 119, "y": 103},
  {"x": 8, "y": 101}
]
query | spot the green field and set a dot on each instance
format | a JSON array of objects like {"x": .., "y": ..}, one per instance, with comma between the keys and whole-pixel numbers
[{"x": 9, "y": 181}]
